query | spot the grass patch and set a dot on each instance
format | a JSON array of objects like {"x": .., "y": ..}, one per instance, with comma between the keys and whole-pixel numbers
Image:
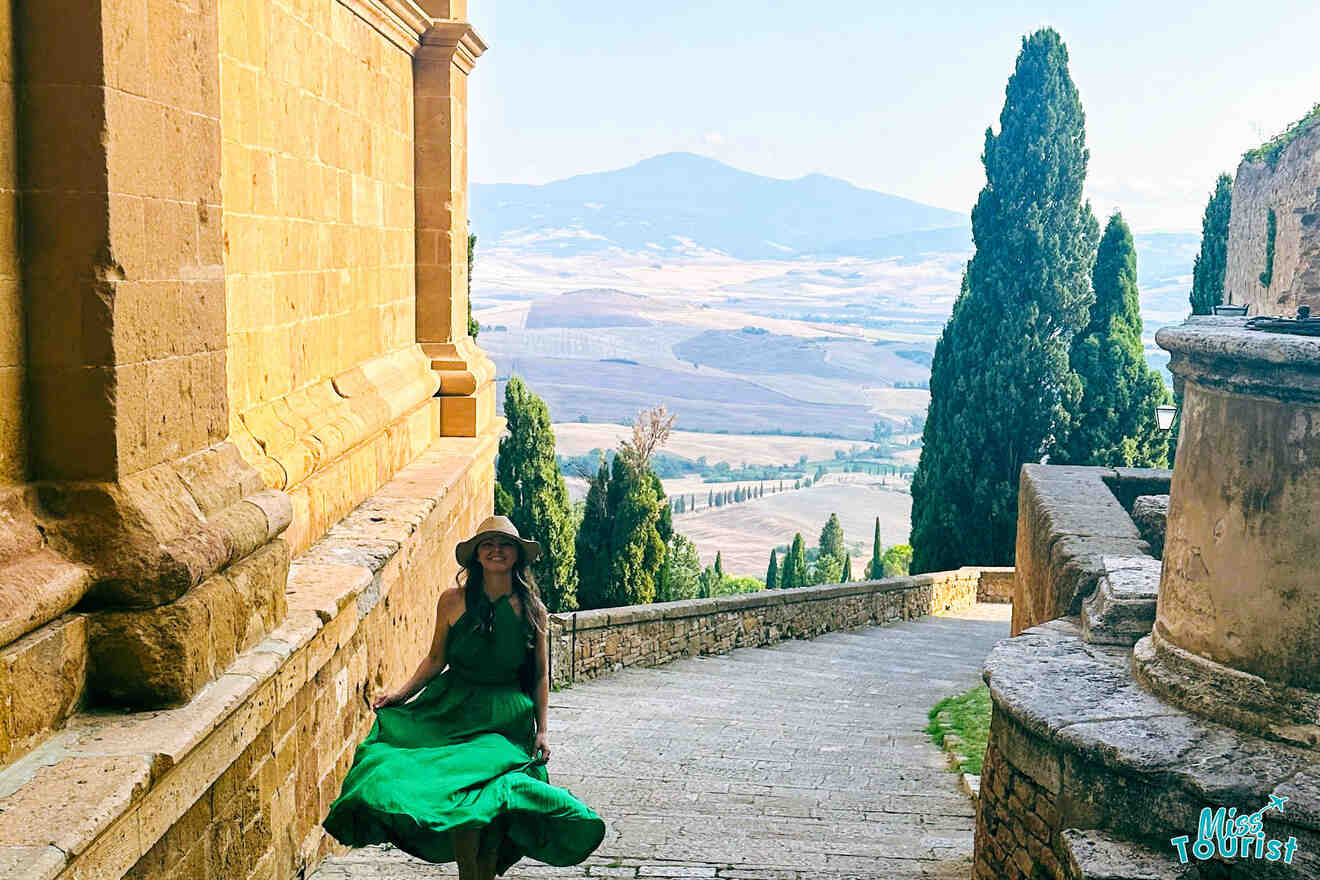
[{"x": 966, "y": 716}]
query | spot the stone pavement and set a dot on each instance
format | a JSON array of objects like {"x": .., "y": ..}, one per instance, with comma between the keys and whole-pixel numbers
[{"x": 805, "y": 759}]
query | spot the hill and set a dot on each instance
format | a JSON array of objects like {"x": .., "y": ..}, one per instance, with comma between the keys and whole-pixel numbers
[{"x": 683, "y": 204}]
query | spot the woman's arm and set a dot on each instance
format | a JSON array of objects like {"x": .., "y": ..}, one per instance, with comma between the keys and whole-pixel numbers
[
  {"x": 541, "y": 750},
  {"x": 433, "y": 662}
]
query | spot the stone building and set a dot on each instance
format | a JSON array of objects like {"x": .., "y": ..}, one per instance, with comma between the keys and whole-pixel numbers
[
  {"x": 1166, "y": 659},
  {"x": 1274, "y": 274},
  {"x": 242, "y": 422}
]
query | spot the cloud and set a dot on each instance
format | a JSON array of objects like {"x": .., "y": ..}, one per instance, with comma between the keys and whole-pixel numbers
[{"x": 713, "y": 139}]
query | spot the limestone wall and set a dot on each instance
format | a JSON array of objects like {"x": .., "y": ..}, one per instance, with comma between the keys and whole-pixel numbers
[
  {"x": 13, "y": 448},
  {"x": 316, "y": 153},
  {"x": 1291, "y": 188},
  {"x": 588, "y": 644}
]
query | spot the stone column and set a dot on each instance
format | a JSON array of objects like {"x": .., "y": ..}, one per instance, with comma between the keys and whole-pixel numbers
[
  {"x": 119, "y": 141},
  {"x": 1237, "y": 630},
  {"x": 441, "y": 66}
]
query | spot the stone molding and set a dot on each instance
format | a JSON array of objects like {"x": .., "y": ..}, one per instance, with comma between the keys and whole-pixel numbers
[
  {"x": 459, "y": 39},
  {"x": 1221, "y": 353},
  {"x": 402, "y": 22}
]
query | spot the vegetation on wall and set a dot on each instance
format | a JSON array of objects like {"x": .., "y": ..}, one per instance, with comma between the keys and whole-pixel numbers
[
  {"x": 1113, "y": 424},
  {"x": 1271, "y": 228},
  {"x": 1212, "y": 259},
  {"x": 1001, "y": 387},
  {"x": 473, "y": 327},
  {"x": 1270, "y": 151}
]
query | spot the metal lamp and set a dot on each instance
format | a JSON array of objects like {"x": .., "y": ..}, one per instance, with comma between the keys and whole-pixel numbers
[{"x": 1164, "y": 416}]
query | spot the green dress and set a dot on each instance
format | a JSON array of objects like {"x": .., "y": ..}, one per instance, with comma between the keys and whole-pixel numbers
[{"x": 459, "y": 756}]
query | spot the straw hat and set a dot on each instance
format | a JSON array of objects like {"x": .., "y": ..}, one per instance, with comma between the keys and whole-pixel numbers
[{"x": 495, "y": 525}]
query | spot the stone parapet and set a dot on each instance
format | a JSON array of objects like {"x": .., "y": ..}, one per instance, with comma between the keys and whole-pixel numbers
[
  {"x": 1069, "y": 520},
  {"x": 233, "y": 784},
  {"x": 1077, "y": 743},
  {"x": 588, "y": 644}
]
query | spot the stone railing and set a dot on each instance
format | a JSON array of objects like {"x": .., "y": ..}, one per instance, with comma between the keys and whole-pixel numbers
[{"x": 588, "y": 644}]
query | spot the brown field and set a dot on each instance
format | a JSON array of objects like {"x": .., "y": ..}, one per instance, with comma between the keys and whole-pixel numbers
[
  {"x": 745, "y": 533},
  {"x": 577, "y": 438}
]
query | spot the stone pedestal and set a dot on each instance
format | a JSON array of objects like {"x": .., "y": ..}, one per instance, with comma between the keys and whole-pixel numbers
[{"x": 1237, "y": 630}]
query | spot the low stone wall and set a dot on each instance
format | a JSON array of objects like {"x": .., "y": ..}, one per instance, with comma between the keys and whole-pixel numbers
[
  {"x": 588, "y": 644},
  {"x": 234, "y": 784},
  {"x": 996, "y": 585},
  {"x": 1069, "y": 520}
]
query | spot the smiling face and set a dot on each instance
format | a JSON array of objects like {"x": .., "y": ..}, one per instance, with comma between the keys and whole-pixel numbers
[{"x": 497, "y": 554}]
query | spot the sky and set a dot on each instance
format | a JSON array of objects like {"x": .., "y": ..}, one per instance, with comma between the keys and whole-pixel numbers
[{"x": 891, "y": 96}]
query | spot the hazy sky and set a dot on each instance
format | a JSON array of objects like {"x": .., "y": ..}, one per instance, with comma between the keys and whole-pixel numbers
[{"x": 893, "y": 96}]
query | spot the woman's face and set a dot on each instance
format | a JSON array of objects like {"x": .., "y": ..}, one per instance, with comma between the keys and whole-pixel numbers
[{"x": 497, "y": 555}]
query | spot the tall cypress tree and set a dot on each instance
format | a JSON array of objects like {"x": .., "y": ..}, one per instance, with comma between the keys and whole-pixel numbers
[
  {"x": 772, "y": 573},
  {"x": 1114, "y": 425},
  {"x": 529, "y": 475},
  {"x": 847, "y": 570},
  {"x": 1212, "y": 260},
  {"x": 831, "y": 538},
  {"x": 719, "y": 565},
  {"x": 636, "y": 547},
  {"x": 875, "y": 569},
  {"x": 795, "y": 564},
  {"x": 1001, "y": 387},
  {"x": 473, "y": 327},
  {"x": 593, "y": 543}
]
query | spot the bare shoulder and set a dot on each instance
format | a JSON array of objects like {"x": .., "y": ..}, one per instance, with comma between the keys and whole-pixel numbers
[{"x": 450, "y": 605}]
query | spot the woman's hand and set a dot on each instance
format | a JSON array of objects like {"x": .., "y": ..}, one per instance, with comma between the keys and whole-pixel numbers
[
  {"x": 382, "y": 700},
  {"x": 541, "y": 748}
]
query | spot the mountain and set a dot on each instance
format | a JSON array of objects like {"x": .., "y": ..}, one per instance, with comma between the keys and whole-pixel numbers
[{"x": 680, "y": 203}]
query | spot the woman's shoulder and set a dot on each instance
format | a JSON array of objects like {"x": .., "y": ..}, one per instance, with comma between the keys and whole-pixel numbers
[{"x": 451, "y": 605}]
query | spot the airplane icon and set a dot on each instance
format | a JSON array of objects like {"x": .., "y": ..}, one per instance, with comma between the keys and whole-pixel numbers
[{"x": 1276, "y": 803}]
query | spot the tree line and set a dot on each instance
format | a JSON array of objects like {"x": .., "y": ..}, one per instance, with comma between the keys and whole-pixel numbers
[{"x": 829, "y": 562}]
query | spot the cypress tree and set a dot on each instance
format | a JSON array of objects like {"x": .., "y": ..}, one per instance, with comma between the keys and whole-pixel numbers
[
  {"x": 473, "y": 327},
  {"x": 1114, "y": 425},
  {"x": 529, "y": 475},
  {"x": 831, "y": 538},
  {"x": 710, "y": 498},
  {"x": 847, "y": 570},
  {"x": 1212, "y": 260},
  {"x": 719, "y": 565},
  {"x": 593, "y": 543},
  {"x": 795, "y": 564},
  {"x": 636, "y": 547},
  {"x": 1001, "y": 387},
  {"x": 875, "y": 569},
  {"x": 772, "y": 573}
]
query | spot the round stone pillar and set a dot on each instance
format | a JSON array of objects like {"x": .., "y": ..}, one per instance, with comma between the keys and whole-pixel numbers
[{"x": 1237, "y": 629}]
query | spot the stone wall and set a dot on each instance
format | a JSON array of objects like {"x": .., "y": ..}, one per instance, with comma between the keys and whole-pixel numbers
[
  {"x": 13, "y": 447},
  {"x": 996, "y": 585},
  {"x": 1069, "y": 520},
  {"x": 588, "y": 644},
  {"x": 1291, "y": 188},
  {"x": 233, "y": 785}
]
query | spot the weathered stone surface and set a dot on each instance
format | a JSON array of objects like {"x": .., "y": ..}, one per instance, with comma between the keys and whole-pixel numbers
[
  {"x": 1291, "y": 187},
  {"x": 1068, "y": 519},
  {"x": 1122, "y": 608},
  {"x": 162, "y": 656},
  {"x": 75, "y": 799},
  {"x": 590, "y": 643},
  {"x": 1095, "y": 855},
  {"x": 1151, "y": 514},
  {"x": 42, "y": 678},
  {"x": 1128, "y": 484}
]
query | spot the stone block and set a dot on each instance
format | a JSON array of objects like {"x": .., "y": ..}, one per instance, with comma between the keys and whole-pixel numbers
[
  {"x": 164, "y": 655},
  {"x": 42, "y": 678},
  {"x": 1122, "y": 608}
]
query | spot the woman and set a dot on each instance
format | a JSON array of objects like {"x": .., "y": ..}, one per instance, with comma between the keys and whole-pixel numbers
[{"x": 458, "y": 774}]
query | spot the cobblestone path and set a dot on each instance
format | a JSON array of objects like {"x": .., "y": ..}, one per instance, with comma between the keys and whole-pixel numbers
[{"x": 805, "y": 759}]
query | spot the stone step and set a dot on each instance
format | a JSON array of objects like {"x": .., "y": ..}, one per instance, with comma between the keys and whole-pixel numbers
[{"x": 1095, "y": 855}]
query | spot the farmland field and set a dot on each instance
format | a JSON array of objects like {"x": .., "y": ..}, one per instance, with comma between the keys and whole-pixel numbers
[{"x": 577, "y": 438}]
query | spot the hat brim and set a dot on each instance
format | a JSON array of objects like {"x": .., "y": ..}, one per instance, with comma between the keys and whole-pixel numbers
[{"x": 466, "y": 551}]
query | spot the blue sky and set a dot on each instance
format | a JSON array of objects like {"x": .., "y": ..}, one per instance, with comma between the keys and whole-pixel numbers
[{"x": 893, "y": 96}]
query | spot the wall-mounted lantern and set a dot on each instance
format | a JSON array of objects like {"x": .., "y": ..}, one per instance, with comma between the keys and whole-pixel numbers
[{"x": 1164, "y": 416}]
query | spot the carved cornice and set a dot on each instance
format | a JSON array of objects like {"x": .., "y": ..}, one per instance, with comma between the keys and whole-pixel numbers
[
  {"x": 456, "y": 38},
  {"x": 402, "y": 22}
]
